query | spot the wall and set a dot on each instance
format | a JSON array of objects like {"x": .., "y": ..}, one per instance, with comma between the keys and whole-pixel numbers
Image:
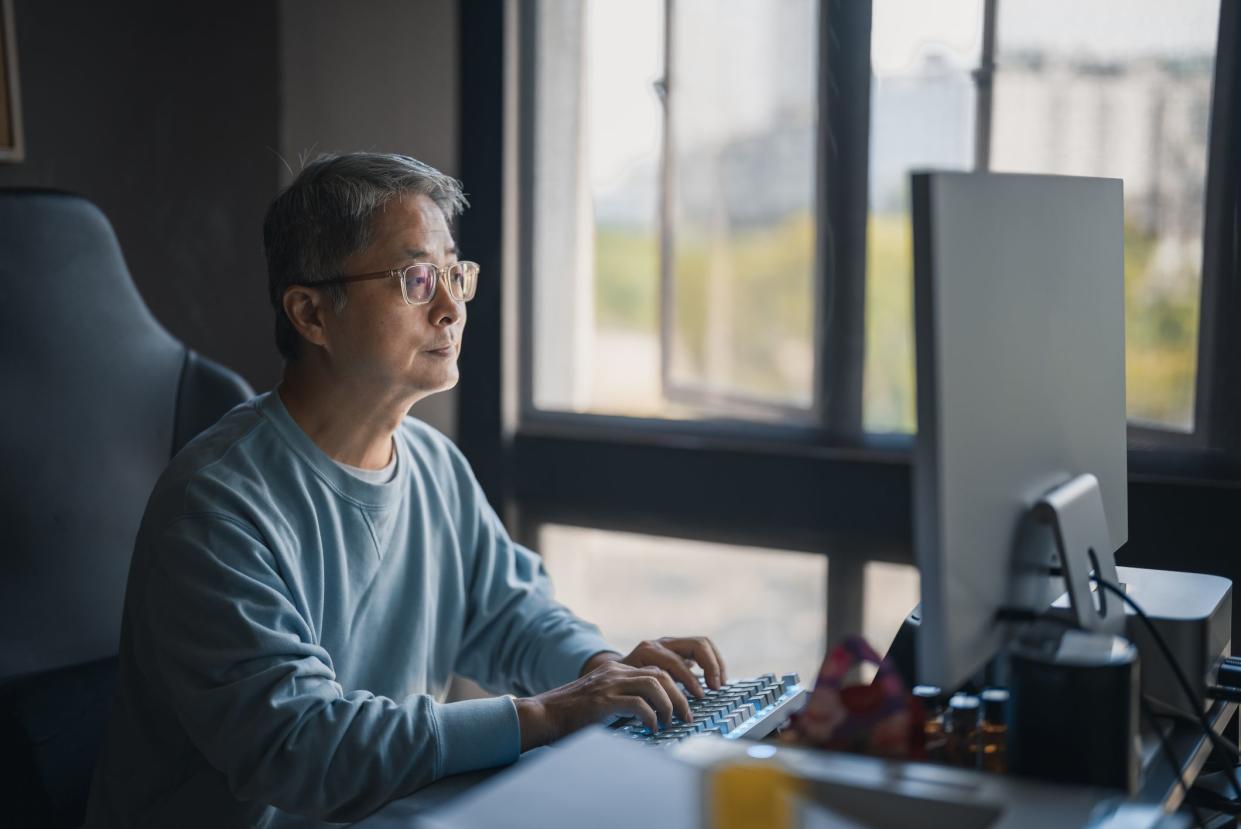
[
  {"x": 165, "y": 116},
  {"x": 175, "y": 119},
  {"x": 375, "y": 75}
]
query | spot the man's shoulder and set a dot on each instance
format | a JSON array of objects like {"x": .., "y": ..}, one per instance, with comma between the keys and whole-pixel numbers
[{"x": 228, "y": 456}]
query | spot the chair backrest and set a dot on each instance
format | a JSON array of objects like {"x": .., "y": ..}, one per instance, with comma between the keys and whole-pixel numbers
[{"x": 97, "y": 397}]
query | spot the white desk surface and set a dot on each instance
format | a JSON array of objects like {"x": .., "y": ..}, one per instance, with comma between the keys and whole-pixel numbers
[{"x": 598, "y": 781}]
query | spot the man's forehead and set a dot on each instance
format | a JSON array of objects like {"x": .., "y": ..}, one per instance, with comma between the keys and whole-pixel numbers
[{"x": 417, "y": 228}]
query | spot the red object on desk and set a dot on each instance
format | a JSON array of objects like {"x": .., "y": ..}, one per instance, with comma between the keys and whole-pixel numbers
[{"x": 880, "y": 719}]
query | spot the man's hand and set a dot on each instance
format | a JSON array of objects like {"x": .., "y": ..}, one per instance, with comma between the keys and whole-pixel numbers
[
  {"x": 676, "y": 655},
  {"x": 642, "y": 685}
]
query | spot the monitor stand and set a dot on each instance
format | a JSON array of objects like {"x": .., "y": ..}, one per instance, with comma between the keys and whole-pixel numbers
[{"x": 1074, "y": 512}]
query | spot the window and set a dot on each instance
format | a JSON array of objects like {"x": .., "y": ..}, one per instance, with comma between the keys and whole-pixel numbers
[
  {"x": 674, "y": 241},
  {"x": 765, "y": 609},
  {"x": 1077, "y": 89},
  {"x": 1081, "y": 90},
  {"x": 922, "y": 106}
]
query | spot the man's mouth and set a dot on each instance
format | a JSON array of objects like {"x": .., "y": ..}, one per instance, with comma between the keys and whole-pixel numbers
[{"x": 445, "y": 350}]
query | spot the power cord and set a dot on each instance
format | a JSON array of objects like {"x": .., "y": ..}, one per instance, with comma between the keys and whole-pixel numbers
[
  {"x": 1224, "y": 692},
  {"x": 1182, "y": 680},
  {"x": 1173, "y": 761},
  {"x": 1163, "y": 710},
  {"x": 1198, "y": 718}
]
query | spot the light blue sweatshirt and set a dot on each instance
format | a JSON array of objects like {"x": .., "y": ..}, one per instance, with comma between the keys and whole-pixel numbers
[{"x": 290, "y": 630}]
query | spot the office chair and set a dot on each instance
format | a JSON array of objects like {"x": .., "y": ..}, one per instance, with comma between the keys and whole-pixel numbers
[{"x": 97, "y": 397}]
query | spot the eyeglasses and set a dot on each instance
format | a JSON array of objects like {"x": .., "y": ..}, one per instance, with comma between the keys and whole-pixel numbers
[{"x": 419, "y": 280}]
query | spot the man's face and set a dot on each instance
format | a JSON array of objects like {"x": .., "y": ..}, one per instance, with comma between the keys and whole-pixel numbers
[{"x": 378, "y": 338}]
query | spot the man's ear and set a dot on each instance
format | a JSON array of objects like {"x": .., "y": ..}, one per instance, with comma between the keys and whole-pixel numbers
[{"x": 307, "y": 309}]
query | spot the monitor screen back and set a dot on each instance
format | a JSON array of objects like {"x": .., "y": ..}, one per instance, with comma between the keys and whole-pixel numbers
[{"x": 1020, "y": 329}]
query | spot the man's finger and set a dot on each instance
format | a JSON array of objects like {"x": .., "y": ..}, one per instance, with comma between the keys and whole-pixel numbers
[
  {"x": 637, "y": 707},
  {"x": 702, "y": 651},
  {"x": 679, "y": 703},
  {"x": 662, "y": 657},
  {"x": 719, "y": 659},
  {"x": 652, "y": 690}
]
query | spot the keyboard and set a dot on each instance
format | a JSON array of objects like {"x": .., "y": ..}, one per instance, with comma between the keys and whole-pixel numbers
[{"x": 742, "y": 709}]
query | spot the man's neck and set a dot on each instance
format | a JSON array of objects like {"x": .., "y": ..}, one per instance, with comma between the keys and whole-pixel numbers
[{"x": 350, "y": 423}]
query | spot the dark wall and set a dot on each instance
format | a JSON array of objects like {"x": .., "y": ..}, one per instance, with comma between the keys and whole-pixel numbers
[
  {"x": 166, "y": 116},
  {"x": 1183, "y": 525}
]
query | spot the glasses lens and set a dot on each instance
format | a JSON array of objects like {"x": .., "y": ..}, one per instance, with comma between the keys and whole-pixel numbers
[
  {"x": 419, "y": 283},
  {"x": 462, "y": 280}
]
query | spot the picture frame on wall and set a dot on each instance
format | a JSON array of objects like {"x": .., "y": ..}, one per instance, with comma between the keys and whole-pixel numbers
[{"x": 12, "y": 146}]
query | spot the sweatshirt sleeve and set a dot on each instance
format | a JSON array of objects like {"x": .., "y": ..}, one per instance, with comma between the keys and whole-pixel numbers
[
  {"x": 259, "y": 698},
  {"x": 517, "y": 637}
]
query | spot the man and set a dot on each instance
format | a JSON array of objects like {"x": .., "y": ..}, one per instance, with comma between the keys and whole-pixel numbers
[{"x": 312, "y": 569}]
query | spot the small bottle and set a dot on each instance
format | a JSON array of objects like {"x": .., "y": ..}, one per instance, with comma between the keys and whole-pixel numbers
[
  {"x": 935, "y": 738},
  {"x": 993, "y": 736},
  {"x": 963, "y": 730}
]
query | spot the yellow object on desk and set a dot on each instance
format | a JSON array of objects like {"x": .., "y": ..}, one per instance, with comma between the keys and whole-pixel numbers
[{"x": 750, "y": 794}]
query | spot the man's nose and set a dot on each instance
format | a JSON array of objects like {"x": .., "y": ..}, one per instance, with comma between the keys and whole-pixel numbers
[{"x": 444, "y": 309}]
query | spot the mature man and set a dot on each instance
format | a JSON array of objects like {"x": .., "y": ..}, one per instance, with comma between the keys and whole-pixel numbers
[{"x": 312, "y": 569}]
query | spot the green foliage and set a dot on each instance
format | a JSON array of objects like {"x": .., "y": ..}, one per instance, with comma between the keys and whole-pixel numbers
[
  {"x": 626, "y": 279},
  {"x": 761, "y": 282},
  {"x": 888, "y": 378},
  {"x": 1161, "y": 336},
  {"x": 767, "y": 275},
  {"x": 769, "y": 308},
  {"x": 1161, "y": 333}
]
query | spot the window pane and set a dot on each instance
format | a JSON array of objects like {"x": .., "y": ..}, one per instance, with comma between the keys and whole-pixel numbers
[
  {"x": 596, "y": 156},
  {"x": 892, "y": 590},
  {"x": 765, "y": 609},
  {"x": 1084, "y": 90},
  {"x": 740, "y": 223},
  {"x": 922, "y": 115},
  {"x": 742, "y": 127}
]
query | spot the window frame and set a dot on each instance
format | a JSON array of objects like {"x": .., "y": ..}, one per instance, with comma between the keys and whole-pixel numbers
[
  {"x": 680, "y": 391},
  {"x": 1213, "y": 405},
  {"x": 839, "y": 343},
  {"x": 830, "y": 488}
]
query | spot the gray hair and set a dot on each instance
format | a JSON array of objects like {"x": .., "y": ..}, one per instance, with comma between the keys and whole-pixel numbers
[{"x": 325, "y": 216}]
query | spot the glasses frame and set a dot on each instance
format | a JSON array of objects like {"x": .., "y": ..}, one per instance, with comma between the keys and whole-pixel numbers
[{"x": 441, "y": 274}]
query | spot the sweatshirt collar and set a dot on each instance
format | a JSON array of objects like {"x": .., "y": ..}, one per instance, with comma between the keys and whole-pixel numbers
[{"x": 345, "y": 484}]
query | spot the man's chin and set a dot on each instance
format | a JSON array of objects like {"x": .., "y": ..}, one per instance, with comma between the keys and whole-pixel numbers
[{"x": 439, "y": 384}]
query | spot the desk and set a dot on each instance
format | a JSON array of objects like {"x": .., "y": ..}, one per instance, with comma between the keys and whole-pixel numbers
[{"x": 594, "y": 779}]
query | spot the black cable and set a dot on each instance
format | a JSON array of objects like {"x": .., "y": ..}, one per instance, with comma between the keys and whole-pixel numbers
[
  {"x": 1214, "y": 801},
  {"x": 1186, "y": 687},
  {"x": 1019, "y": 614},
  {"x": 1164, "y": 710},
  {"x": 1172, "y": 760},
  {"x": 1224, "y": 692}
]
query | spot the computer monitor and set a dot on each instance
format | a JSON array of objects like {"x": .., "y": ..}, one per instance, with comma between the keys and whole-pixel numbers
[{"x": 1020, "y": 332}]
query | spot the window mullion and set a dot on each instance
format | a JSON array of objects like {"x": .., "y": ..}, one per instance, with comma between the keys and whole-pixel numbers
[
  {"x": 843, "y": 153},
  {"x": 984, "y": 85},
  {"x": 667, "y": 175}
]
